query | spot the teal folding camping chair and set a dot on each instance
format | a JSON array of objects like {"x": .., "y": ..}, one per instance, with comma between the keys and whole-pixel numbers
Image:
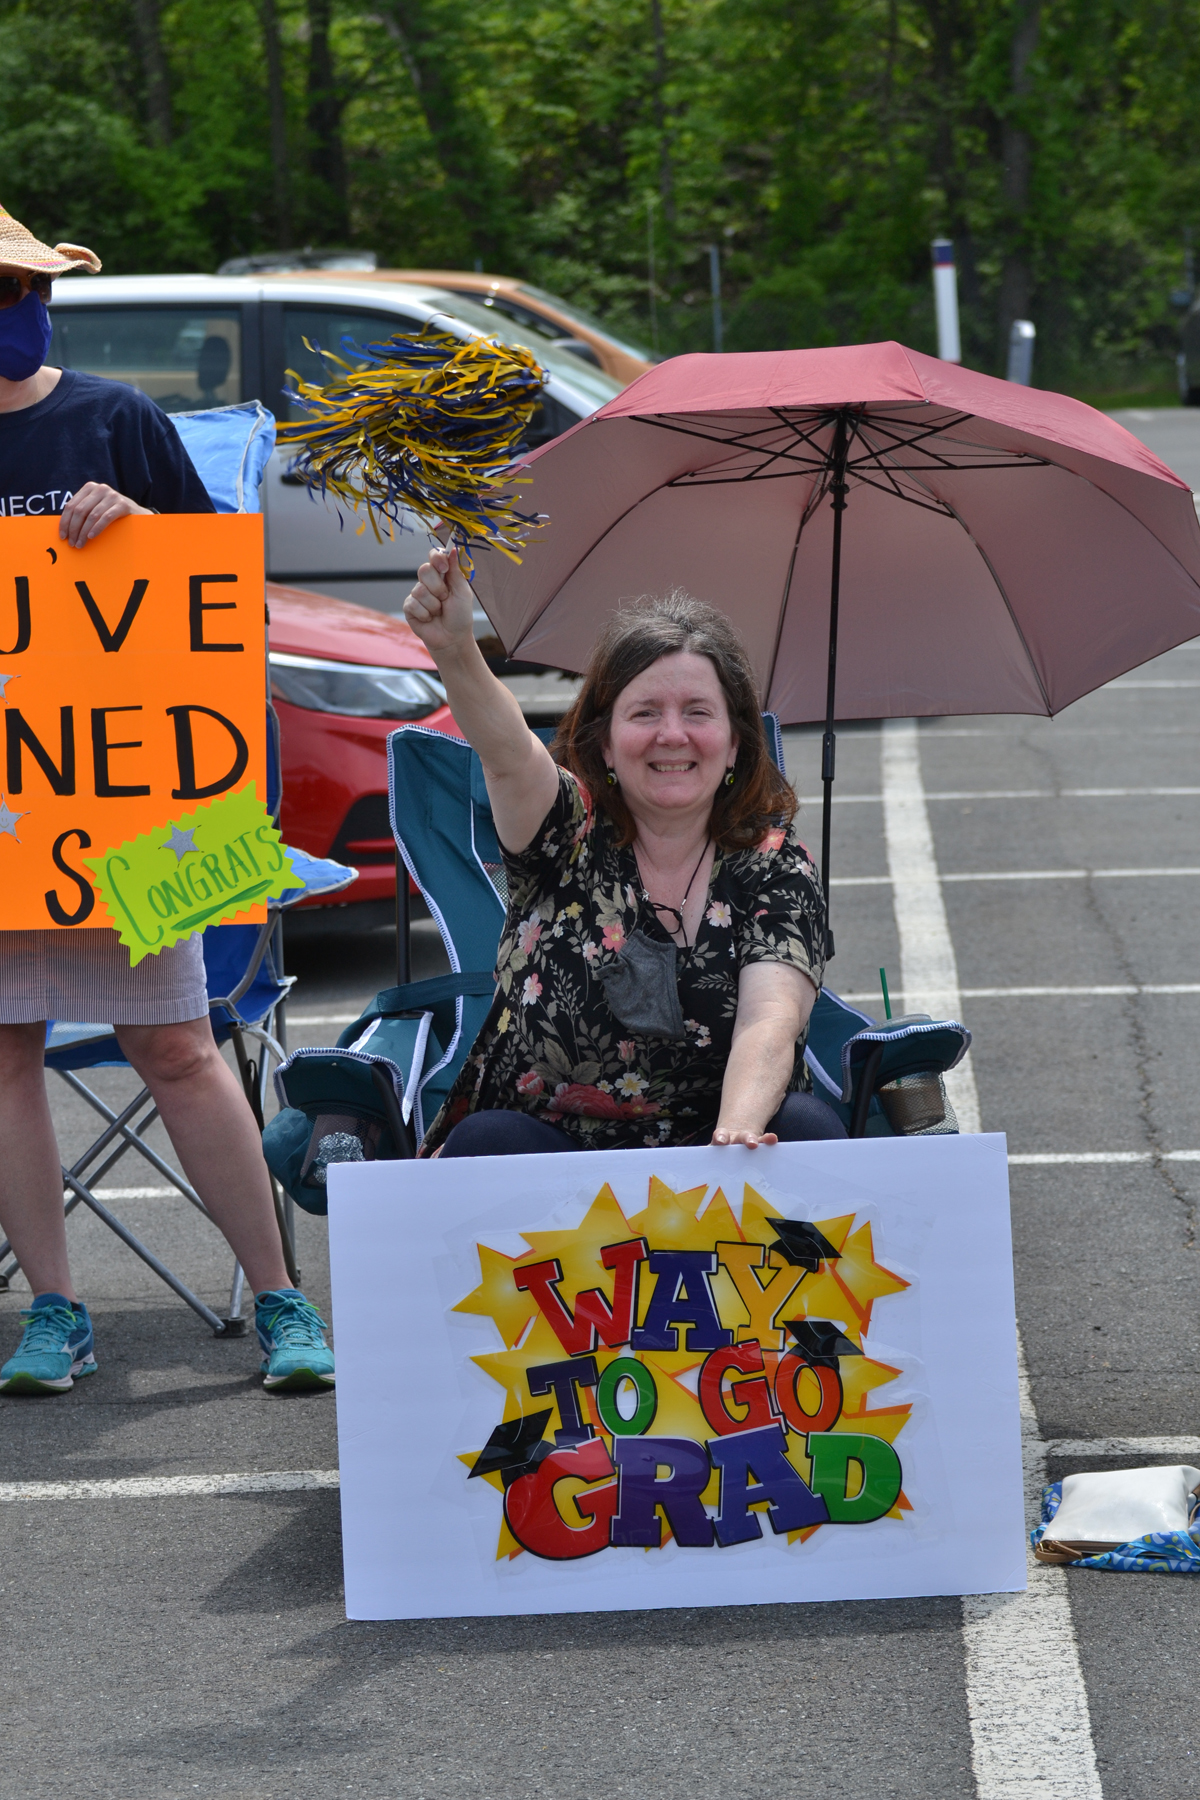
[{"x": 376, "y": 1092}]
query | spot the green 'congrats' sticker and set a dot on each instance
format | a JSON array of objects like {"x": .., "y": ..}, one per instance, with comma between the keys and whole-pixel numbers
[{"x": 203, "y": 867}]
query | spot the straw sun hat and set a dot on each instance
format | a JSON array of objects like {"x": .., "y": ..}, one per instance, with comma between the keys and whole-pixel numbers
[{"x": 22, "y": 250}]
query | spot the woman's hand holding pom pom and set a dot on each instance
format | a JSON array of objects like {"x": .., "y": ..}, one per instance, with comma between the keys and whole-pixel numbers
[{"x": 441, "y": 607}]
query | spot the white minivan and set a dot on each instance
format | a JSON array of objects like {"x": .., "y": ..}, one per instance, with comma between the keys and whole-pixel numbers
[{"x": 191, "y": 341}]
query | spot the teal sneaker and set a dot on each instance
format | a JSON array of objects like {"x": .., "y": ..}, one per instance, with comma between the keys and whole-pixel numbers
[
  {"x": 295, "y": 1355},
  {"x": 56, "y": 1346}
]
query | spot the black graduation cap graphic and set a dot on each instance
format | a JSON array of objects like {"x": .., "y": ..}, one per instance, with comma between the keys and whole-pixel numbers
[
  {"x": 820, "y": 1342},
  {"x": 802, "y": 1244},
  {"x": 514, "y": 1448}
]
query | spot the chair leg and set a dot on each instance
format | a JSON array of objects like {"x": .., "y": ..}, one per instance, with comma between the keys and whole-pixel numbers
[
  {"x": 236, "y": 1291},
  {"x": 285, "y": 1236},
  {"x": 289, "y": 1232},
  {"x": 248, "y": 1071},
  {"x": 287, "y": 1216},
  {"x": 253, "y": 1085},
  {"x": 126, "y": 1236},
  {"x": 132, "y": 1142}
]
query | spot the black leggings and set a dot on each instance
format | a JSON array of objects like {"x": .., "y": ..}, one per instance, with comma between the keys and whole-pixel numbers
[{"x": 802, "y": 1118}]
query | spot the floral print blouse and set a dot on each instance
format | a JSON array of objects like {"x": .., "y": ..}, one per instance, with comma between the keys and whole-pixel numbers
[{"x": 551, "y": 1045}]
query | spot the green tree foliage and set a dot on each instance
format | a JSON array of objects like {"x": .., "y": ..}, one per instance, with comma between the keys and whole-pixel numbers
[{"x": 820, "y": 143}]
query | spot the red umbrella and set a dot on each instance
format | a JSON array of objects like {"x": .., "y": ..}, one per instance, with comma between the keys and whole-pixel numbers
[{"x": 985, "y": 547}]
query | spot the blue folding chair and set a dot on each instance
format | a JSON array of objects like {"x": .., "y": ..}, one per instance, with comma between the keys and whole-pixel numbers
[
  {"x": 243, "y": 963},
  {"x": 876, "y": 1077},
  {"x": 410, "y": 1043},
  {"x": 375, "y": 1093},
  {"x": 884, "y": 1080}
]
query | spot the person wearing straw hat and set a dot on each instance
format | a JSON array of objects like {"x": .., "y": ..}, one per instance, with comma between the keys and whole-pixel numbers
[
  {"x": 89, "y": 449},
  {"x": 92, "y": 451}
]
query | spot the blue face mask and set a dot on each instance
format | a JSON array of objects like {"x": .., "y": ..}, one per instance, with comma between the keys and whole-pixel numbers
[{"x": 24, "y": 338}]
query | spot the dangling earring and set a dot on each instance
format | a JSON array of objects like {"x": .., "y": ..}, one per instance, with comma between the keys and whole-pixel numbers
[
  {"x": 729, "y": 778},
  {"x": 611, "y": 778}
]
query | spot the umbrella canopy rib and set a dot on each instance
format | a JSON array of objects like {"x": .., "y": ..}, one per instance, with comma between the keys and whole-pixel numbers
[{"x": 819, "y": 491}]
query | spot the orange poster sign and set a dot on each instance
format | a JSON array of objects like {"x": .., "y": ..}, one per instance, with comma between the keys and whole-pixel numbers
[{"x": 133, "y": 686}]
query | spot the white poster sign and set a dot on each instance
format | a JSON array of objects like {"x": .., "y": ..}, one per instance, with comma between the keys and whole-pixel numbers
[{"x": 645, "y": 1378}]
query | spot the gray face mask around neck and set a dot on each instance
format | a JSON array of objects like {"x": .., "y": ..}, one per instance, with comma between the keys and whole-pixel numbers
[{"x": 641, "y": 987}]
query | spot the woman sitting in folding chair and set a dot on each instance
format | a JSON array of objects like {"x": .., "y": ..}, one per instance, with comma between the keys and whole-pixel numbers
[
  {"x": 81, "y": 446},
  {"x": 664, "y": 943}
]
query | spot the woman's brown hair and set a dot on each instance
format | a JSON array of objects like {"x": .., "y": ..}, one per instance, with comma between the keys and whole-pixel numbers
[{"x": 636, "y": 637}]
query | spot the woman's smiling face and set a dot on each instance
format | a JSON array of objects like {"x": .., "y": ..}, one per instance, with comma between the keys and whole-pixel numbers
[{"x": 671, "y": 742}]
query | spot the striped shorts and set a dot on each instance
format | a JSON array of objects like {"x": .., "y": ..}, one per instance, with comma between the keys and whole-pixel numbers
[{"x": 84, "y": 977}]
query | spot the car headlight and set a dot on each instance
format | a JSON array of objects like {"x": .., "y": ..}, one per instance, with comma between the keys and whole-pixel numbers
[{"x": 355, "y": 690}]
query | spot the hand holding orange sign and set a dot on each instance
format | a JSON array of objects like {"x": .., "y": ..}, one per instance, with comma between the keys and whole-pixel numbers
[{"x": 133, "y": 686}]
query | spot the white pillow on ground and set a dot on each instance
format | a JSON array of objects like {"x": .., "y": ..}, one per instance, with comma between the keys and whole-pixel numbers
[{"x": 1123, "y": 1504}]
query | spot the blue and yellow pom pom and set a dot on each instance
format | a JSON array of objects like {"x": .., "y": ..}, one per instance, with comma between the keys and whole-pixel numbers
[{"x": 431, "y": 423}]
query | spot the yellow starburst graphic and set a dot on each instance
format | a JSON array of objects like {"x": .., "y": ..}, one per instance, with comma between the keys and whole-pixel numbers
[{"x": 681, "y": 1375}]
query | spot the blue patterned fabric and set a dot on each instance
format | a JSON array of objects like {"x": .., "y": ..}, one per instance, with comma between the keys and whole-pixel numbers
[{"x": 1158, "y": 1553}]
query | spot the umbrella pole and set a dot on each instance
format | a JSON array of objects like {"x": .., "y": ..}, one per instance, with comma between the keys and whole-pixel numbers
[{"x": 829, "y": 741}]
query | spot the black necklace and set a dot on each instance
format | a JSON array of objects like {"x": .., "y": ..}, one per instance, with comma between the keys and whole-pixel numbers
[{"x": 660, "y": 906}]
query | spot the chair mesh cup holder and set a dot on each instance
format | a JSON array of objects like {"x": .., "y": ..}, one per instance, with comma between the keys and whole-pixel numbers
[
  {"x": 885, "y": 1079},
  {"x": 338, "y": 1138},
  {"x": 918, "y": 1106}
]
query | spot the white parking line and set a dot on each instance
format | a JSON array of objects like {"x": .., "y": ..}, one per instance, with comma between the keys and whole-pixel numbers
[
  {"x": 171, "y": 1487},
  {"x": 1025, "y": 875},
  {"x": 974, "y": 794},
  {"x": 322, "y": 1018},
  {"x": 1034, "y": 993},
  {"x": 1113, "y": 793},
  {"x": 1120, "y": 731},
  {"x": 933, "y": 731},
  {"x": 290, "y": 1481},
  {"x": 1116, "y": 991},
  {"x": 132, "y": 1193},
  {"x": 1030, "y": 1729},
  {"x": 928, "y": 970},
  {"x": 1031, "y": 1732},
  {"x": 1072, "y": 874},
  {"x": 1049, "y": 1158},
  {"x": 1148, "y": 1446},
  {"x": 1029, "y": 1159}
]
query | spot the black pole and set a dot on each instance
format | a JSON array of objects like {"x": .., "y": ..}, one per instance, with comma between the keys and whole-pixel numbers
[{"x": 829, "y": 741}]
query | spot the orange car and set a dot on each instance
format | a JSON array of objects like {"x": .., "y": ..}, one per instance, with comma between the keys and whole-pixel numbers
[{"x": 545, "y": 315}]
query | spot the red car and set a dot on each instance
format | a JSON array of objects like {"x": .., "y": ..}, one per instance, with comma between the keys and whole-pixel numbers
[{"x": 342, "y": 678}]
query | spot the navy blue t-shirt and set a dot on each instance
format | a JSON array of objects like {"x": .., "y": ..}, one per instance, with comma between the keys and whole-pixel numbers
[{"x": 90, "y": 429}]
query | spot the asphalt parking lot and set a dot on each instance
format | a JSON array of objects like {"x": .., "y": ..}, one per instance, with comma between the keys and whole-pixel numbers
[{"x": 188, "y": 1641}]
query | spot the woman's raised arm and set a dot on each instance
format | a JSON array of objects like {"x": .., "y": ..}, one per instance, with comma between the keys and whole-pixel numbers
[{"x": 522, "y": 781}]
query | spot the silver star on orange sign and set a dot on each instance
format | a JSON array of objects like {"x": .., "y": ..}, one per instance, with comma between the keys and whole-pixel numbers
[
  {"x": 8, "y": 820},
  {"x": 181, "y": 842}
]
